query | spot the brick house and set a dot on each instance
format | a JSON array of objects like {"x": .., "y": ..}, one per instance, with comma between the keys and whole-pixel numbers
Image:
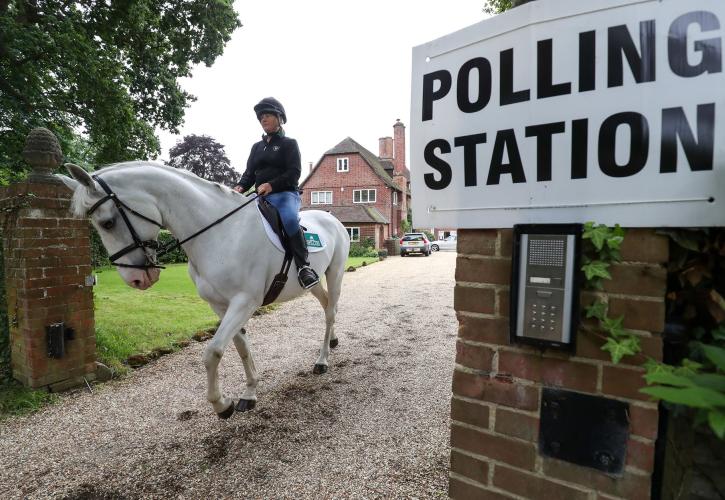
[{"x": 369, "y": 194}]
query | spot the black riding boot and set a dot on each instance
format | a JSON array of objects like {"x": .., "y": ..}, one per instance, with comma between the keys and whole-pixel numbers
[{"x": 305, "y": 274}]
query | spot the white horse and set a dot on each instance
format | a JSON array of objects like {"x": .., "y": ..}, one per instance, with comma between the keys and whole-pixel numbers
[{"x": 232, "y": 264}]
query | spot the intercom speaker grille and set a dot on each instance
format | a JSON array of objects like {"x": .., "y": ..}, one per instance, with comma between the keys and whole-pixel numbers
[{"x": 546, "y": 252}]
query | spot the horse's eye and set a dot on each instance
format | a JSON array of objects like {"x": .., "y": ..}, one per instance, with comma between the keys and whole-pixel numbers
[{"x": 108, "y": 224}]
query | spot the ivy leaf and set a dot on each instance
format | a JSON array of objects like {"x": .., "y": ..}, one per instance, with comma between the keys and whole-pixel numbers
[
  {"x": 694, "y": 397},
  {"x": 596, "y": 269},
  {"x": 711, "y": 381},
  {"x": 683, "y": 238},
  {"x": 715, "y": 354},
  {"x": 598, "y": 235},
  {"x": 620, "y": 348},
  {"x": 614, "y": 326},
  {"x": 716, "y": 419},
  {"x": 669, "y": 379},
  {"x": 597, "y": 310},
  {"x": 614, "y": 242},
  {"x": 689, "y": 368}
]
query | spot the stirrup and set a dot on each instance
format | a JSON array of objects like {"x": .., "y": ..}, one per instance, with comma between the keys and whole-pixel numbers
[{"x": 307, "y": 284}]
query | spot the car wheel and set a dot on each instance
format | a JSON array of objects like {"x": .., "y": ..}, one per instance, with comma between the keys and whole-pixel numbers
[
  {"x": 434, "y": 248},
  {"x": 402, "y": 254}
]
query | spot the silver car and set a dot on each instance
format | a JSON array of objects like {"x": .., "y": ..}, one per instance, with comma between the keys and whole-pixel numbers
[
  {"x": 447, "y": 243},
  {"x": 414, "y": 243}
]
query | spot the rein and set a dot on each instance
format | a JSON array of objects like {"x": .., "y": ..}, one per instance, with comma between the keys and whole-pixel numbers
[{"x": 151, "y": 261}]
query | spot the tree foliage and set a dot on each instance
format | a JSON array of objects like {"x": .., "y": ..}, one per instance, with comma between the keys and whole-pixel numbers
[
  {"x": 105, "y": 70},
  {"x": 205, "y": 157},
  {"x": 496, "y": 6}
]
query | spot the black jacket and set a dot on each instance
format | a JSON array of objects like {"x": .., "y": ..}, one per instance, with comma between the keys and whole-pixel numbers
[{"x": 276, "y": 162}]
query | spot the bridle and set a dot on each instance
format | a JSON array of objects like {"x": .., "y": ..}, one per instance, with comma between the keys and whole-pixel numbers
[{"x": 144, "y": 245}]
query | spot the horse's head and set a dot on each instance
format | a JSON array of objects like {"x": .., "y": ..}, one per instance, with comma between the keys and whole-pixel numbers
[{"x": 120, "y": 229}]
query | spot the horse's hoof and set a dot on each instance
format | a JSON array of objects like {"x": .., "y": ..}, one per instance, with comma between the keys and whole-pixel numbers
[
  {"x": 319, "y": 369},
  {"x": 227, "y": 413},
  {"x": 333, "y": 343},
  {"x": 246, "y": 405}
]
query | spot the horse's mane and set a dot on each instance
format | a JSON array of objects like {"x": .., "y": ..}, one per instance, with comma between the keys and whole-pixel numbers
[{"x": 83, "y": 200}]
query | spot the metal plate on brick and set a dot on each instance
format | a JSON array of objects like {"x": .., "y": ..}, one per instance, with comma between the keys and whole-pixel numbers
[{"x": 585, "y": 430}]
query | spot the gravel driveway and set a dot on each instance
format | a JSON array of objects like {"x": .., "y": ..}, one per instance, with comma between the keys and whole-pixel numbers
[{"x": 375, "y": 426}]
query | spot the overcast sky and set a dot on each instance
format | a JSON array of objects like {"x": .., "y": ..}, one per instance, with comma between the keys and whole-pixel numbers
[{"x": 339, "y": 68}]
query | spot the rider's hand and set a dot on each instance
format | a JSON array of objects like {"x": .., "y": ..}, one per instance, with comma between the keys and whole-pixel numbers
[
  {"x": 264, "y": 189},
  {"x": 238, "y": 189}
]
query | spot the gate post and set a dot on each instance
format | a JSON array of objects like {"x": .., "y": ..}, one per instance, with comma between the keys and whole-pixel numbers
[{"x": 48, "y": 275}]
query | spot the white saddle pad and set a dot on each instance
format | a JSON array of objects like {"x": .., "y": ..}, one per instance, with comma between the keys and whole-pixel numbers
[{"x": 311, "y": 230}]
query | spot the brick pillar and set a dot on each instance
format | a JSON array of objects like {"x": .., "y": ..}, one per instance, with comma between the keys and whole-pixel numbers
[
  {"x": 47, "y": 261},
  {"x": 497, "y": 386}
]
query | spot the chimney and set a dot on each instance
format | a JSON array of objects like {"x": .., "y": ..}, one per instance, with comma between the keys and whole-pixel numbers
[
  {"x": 386, "y": 148},
  {"x": 399, "y": 146}
]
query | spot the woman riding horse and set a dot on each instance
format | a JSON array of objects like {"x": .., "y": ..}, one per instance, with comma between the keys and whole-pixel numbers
[{"x": 274, "y": 168}]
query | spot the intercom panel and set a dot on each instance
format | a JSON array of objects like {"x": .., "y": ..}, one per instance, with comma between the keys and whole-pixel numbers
[{"x": 544, "y": 291}]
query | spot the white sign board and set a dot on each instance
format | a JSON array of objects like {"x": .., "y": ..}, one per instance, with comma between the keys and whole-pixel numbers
[{"x": 564, "y": 111}]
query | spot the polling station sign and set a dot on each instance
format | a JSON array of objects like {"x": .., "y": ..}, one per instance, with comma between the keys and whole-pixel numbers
[{"x": 564, "y": 111}]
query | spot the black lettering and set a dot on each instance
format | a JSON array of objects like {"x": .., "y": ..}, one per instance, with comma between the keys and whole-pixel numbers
[
  {"x": 587, "y": 60},
  {"x": 638, "y": 147},
  {"x": 506, "y": 141},
  {"x": 619, "y": 42},
  {"x": 443, "y": 168},
  {"x": 543, "y": 134},
  {"x": 429, "y": 95},
  {"x": 508, "y": 95},
  {"x": 711, "y": 49},
  {"x": 579, "y": 148},
  {"x": 545, "y": 72},
  {"x": 469, "y": 143},
  {"x": 699, "y": 152},
  {"x": 484, "y": 85}
]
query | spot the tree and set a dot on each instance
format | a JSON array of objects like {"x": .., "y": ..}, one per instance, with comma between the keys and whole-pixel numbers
[
  {"x": 104, "y": 71},
  {"x": 205, "y": 157},
  {"x": 499, "y": 6}
]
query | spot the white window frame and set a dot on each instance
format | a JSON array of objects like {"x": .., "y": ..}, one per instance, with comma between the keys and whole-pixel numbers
[
  {"x": 343, "y": 164},
  {"x": 360, "y": 197},
  {"x": 318, "y": 202},
  {"x": 351, "y": 232},
  {"x": 395, "y": 197}
]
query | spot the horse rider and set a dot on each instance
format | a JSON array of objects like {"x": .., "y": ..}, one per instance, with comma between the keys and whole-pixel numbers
[{"x": 274, "y": 168}]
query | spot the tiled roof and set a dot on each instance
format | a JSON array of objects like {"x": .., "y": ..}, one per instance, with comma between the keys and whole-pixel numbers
[{"x": 353, "y": 214}]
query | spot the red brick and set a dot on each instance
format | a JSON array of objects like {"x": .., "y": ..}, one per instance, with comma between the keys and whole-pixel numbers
[
  {"x": 480, "y": 300},
  {"x": 41, "y": 222},
  {"x": 469, "y": 413},
  {"x": 477, "y": 241},
  {"x": 488, "y": 270},
  {"x": 639, "y": 314},
  {"x": 474, "y": 356},
  {"x": 470, "y": 467},
  {"x": 623, "y": 383},
  {"x": 459, "y": 490},
  {"x": 637, "y": 279},
  {"x": 502, "y": 449},
  {"x": 489, "y": 330},
  {"x": 517, "y": 425},
  {"x": 629, "y": 486},
  {"x": 495, "y": 391},
  {"x": 549, "y": 371},
  {"x": 641, "y": 455},
  {"x": 530, "y": 486},
  {"x": 643, "y": 421},
  {"x": 507, "y": 242},
  {"x": 504, "y": 304},
  {"x": 643, "y": 245}
]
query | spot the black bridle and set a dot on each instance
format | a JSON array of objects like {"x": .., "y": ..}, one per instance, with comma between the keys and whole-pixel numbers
[{"x": 151, "y": 261}]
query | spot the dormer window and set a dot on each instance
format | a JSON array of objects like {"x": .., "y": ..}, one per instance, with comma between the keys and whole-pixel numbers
[{"x": 343, "y": 165}]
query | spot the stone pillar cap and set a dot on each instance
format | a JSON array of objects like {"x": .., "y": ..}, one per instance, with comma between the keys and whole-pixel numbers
[{"x": 42, "y": 151}]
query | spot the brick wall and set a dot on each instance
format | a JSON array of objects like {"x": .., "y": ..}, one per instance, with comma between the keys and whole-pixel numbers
[
  {"x": 47, "y": 258},
  {"x": 497, "y": 386},
  {"x": 341, "y": 184}
]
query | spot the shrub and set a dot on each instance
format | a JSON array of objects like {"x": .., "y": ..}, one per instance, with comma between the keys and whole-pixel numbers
[
  {"x": 99, "y": 256},
  {"x": 382, "y": 254},
  {"x": 177, "y": 255},
  {"x": 358, "y": 250}
]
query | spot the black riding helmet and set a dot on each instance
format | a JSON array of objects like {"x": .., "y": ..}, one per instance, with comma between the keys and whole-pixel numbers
[{"x": 270, "y": 105}]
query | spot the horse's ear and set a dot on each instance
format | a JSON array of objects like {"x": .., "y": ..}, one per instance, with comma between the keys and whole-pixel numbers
[
  {"x": 80, "y": 175},
  {"x": 70, "y": 183}
]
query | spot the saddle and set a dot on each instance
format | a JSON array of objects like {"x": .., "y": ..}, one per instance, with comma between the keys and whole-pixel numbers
[{"x": 270, "y": 213}]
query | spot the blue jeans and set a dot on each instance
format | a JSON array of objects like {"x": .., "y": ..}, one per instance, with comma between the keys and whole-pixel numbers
[{"x": 287, "y": 204}]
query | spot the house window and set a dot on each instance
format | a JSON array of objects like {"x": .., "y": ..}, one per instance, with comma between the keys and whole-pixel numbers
[
  {"x": 321, "y": 198},
  {"x": 354, "y": 233},
  {"x": 395, "y": 197},
  {"x": 363, "y": 196},
  {"x": 343, "y": 165}
]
